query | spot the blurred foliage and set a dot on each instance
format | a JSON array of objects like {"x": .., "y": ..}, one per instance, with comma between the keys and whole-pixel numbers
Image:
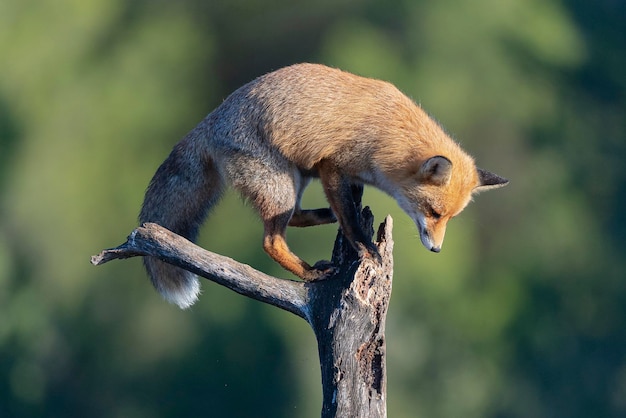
[{"x": 523, "y": 313}]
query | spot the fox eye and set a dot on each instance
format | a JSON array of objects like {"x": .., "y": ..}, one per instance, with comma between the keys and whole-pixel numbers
[{"x": 434, "y": 213}]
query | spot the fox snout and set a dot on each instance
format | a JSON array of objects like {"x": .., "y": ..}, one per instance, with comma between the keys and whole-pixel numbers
[{"x": 428, "y": 240}]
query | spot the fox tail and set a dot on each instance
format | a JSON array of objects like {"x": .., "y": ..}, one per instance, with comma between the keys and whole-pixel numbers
[{"x": 179, "y": 197}]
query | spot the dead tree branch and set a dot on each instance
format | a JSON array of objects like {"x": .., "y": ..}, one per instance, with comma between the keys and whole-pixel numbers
[
  {"x": 346, "y": 311},
  {"x": 154, "y": 240}
]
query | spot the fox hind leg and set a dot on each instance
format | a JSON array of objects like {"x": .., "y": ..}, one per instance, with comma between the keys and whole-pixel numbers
[
  {"x": 275, "y": 245},
  {"x": 309, "y": 217},
  {"x": 273, "y": 190},
  {"x": 312, "y": 217}
]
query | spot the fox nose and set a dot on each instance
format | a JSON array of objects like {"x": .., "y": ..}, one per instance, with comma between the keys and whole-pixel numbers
[{"x": 435, "y": 249}]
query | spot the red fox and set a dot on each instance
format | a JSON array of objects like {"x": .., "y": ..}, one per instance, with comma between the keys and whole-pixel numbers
[{"x": 270, "y": 137}]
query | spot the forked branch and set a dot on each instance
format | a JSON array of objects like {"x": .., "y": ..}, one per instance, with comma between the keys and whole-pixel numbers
[{"x": 346, "y": 311}]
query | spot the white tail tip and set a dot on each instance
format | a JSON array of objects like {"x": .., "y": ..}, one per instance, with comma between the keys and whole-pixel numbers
[{"x": 185, "y": 295}]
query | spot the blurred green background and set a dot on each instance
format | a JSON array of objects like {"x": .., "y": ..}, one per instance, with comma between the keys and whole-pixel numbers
[{"x": 523, "y": 314}]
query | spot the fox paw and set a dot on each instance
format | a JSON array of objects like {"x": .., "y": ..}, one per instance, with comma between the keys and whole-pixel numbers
[
  {"x": 369, "y": 250},
  {"x": 321, "y": 270}
]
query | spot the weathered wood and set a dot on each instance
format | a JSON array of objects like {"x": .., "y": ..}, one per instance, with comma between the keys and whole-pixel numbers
[
  {"x": 154, "y": 240},
  {"x": 347, "y": 311}
]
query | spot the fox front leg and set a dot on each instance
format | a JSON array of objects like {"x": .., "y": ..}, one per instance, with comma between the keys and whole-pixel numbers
[{"x": 343, "y": 197}]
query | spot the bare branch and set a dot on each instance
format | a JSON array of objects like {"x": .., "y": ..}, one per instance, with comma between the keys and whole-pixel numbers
[
  {"x": 154, "y": 240},
  {"x": 347, "y": 311}
]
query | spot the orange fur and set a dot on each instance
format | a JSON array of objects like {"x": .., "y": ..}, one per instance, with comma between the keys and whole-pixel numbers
[{"x": 271, "y": 136}]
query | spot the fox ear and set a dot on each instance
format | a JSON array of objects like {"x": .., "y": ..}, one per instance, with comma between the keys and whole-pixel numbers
[
  {"x": 489, "y": 181},
  {"x": 436, "y": 170}
]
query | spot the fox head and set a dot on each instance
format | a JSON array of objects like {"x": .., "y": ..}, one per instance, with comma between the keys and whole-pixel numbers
[{"x": 443, "y": 190}]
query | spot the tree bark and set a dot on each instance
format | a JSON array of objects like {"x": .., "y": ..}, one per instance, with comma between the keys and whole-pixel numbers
[
  {"x": 347, "y": 311},
  {"x": 350, "y": 310}
]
